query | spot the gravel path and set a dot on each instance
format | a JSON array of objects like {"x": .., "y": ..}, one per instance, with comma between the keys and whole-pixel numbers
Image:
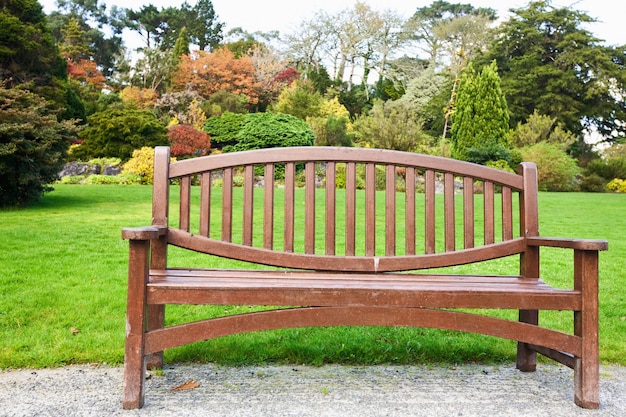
[{"x": 468, "y": 390}]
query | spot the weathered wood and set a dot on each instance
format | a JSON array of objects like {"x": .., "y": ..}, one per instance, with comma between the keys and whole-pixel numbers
[{"x": 374, "y": 280}]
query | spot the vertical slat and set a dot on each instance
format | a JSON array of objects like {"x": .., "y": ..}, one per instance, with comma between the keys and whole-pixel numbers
[
  {"x": 429, "y": 179},
  {"x": 268, "y": 207},
  {"x": 350, "y": 209},
  {"x": 248, "y": 204},
  {"x": 507, "y": 213},
  {"x": 290, "y": 183},
  {"x": 468, "y": 212},
  {"x": 331, "y": 208},
  {"x": 489, "y": 222},
  {"x": 390, "y": 210},
  {"x": 205, "y": 204},
  {"x": 370, "y": 209},
  {"x": 309, "y": 208},
  {"x": 227, "y": 205},
  {"x": 185, "y": 203},
  {"x": 448, "y": 198},
  {"x": 409, "y": 209}
]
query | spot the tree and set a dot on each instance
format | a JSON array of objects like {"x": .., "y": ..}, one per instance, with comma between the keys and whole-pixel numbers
[
  {"x": 208, "y": 73},
  {"x": 481, "y": 115},
  {"x": 154, "y": 68},
  {"x": 548, "y": 62},
  {"x": 392, "y": 125},
  {"x": 187, "y": 141},
  {"x": 541, "y": 128},
  {"x": 117, "y": 132},
  {"x": 204, "y": 29},
  {"x": 27, "y": 50},
  {"x": 300, "y": 100},
  {"x": 33, "y": 146}
]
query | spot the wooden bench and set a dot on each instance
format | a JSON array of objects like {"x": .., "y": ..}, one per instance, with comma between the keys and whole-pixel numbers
[{"x": 352, "y": 236}]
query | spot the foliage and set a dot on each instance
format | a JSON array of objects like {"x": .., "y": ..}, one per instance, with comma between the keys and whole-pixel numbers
[
  {"x": 556, "y": 170},
  {"x": 331, "y": 130},
  {"x": 176, "y": 105},
  {"x": 271, "y": 74},
  {"x": 224, "y": 101},
  {"x": 480, "y": 113},
  {"x": 223, "y": 129},
  {"x": 141, "y": 164},
  {"x": 300, "y": 100},
  {"x": 494, "y": 153},
  {"x": 549, "y": 62},
  {"x": 118, "y": 132},
  {"x": 142, "y": 98},
  {"x": 186, "y": 140},
  {"x": 541, "y": 128},
  {"x": 392, "y": 125},
  {"x": 617, "y": 185},
  {"x": 271, "y": 130},
  {"x": 602, "y": 170},
  {"x": 27, "y": 48},
  {"x": 154, "y": 68},
  {"x": 208, "y": 73},
  {"x": 33, "y": 146}
]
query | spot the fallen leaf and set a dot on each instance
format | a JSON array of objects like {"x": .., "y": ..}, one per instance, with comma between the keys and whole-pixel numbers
[{"x": 186, "y": 386}]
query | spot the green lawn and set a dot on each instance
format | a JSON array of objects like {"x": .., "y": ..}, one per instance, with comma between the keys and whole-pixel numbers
[{"x": 63, "y": 289}]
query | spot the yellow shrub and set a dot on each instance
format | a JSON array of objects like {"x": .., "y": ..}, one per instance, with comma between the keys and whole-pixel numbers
[
  {"x": 141, "y": 164},
  {"x": 617, "y": 185}
]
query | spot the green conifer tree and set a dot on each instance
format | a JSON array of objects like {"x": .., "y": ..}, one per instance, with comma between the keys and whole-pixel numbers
[{"x": 481, "y": 115}]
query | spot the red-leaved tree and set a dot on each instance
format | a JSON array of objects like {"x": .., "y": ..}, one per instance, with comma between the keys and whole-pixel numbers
[{"x": 186, "y": 141}]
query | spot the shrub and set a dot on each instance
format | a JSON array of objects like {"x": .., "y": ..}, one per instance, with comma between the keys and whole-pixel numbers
[
  {"x": 118, "y": 132},
  {"x": 104, "y": 179},
  {"x": 141, "y": 164},
  {"x": 593, "y": 184},
  {"x": 556, "y": 170},
  {"x": 33, "y": 146},
  {"x": 72, "y": 179},
  {"x": 617, "y": 185},
  {"x": 270, "y": 130},
  {"x": 223, "y": 129},
  {"x": 185, "y": 140}
]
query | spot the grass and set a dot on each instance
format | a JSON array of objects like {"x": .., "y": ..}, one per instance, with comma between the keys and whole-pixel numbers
[{"x": 63, "y": 288}]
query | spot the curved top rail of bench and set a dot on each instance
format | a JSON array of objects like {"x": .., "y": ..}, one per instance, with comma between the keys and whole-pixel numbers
[{"x": 343, "y": 154}]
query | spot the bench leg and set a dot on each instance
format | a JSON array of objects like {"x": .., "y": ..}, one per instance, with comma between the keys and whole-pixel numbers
[
  {"x": 156, "y": 320},
  {"x": 587, "y": 367},
  {"x": 134, "y": 355},
  {"x": 526, "y": 357}
]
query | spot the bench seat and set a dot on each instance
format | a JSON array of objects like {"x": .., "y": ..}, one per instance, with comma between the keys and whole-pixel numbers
[{"x": 279, "y": 288}]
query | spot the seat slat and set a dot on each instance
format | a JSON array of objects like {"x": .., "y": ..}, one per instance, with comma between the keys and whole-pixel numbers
[{"x": 435, "y": 291}]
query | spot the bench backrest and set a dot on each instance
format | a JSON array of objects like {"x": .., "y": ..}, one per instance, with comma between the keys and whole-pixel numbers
[{"x": 343, "y": 209}]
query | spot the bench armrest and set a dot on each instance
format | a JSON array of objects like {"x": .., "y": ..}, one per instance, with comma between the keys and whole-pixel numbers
[
  {"x": 579, "y": 244},
  {"x": 143, "y": 233}
]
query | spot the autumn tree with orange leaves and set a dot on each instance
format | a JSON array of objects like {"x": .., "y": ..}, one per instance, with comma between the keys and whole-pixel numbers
[{"x": 208, "y": 73}]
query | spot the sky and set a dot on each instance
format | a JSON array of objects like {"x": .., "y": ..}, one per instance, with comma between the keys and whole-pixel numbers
[{"x": 285, "y": 15}]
